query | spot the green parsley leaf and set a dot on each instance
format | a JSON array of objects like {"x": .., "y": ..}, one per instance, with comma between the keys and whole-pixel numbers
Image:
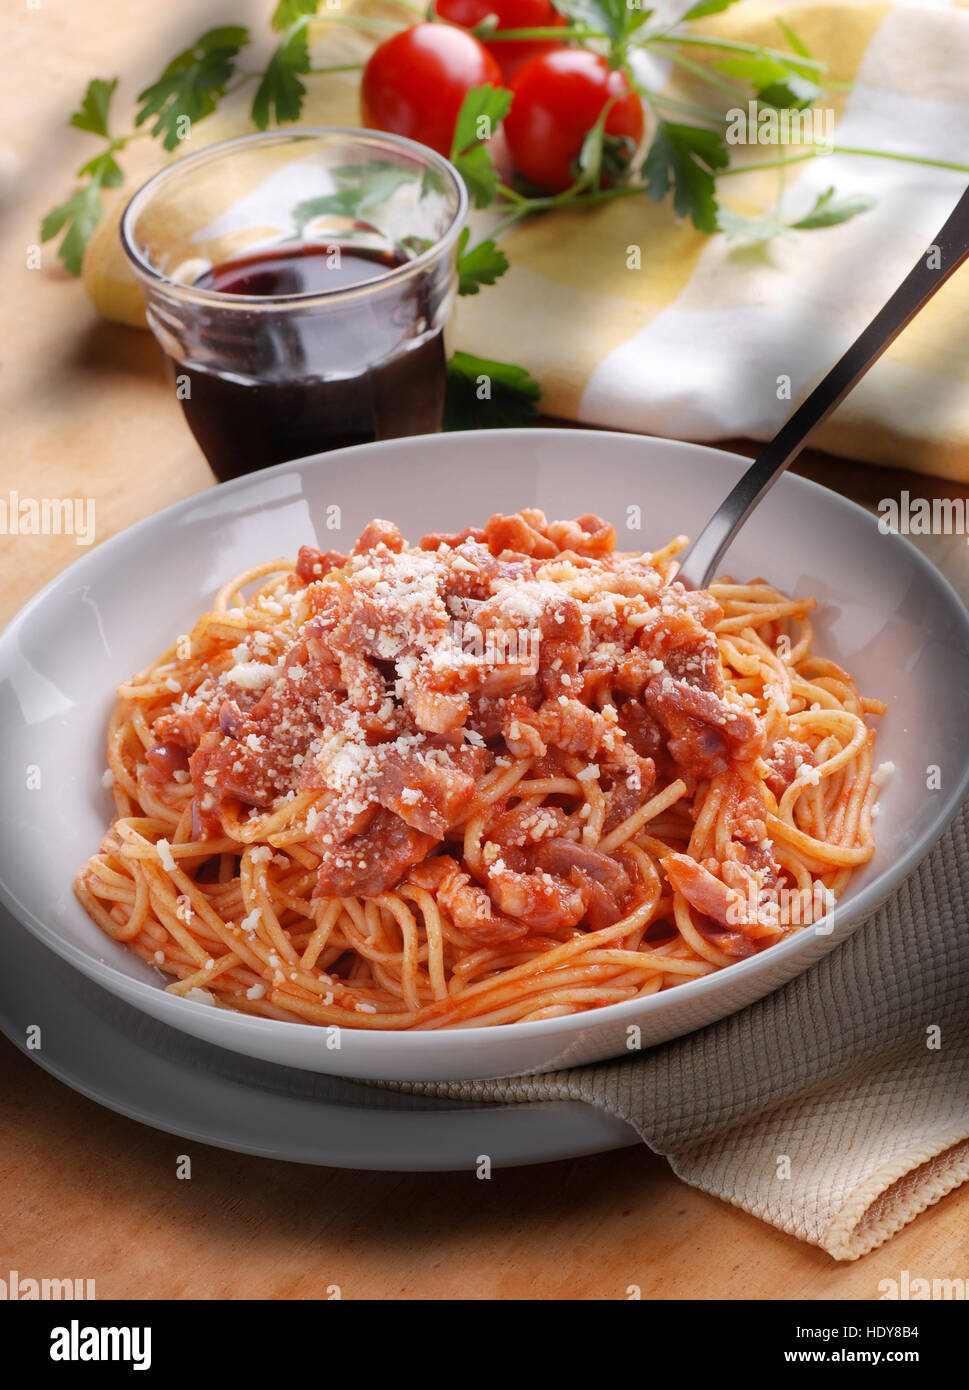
[
  {"x": 778, "y": 84},
  {"x": 480, "y": 176},
  {"x": 482, "y": 265},
  {"x": 791, "y": 92},
  {"x": 104, "y": 169},
  {"x": 602, "y": 156},
  {"x": 81, "y": 213},
  {"x": 482, "y": 394},
  {"x": 361, "y": 188},
  {"x": 482, "y": 111},
  {"x": 705, "y": 7},
  {"x": 798, "y": 45},
  {"x": 281, "y": 91},
  {"x": 750, "y": 229},
  {"x": 636, "y": 18},
  {"x": 829, "y": 210},
  {"x": 616, "y": 18},
  {"x": 192, "y": 83},
  {"x": 93, "y": 113},
  {"x": 287, "y": 12},
  {"x": 685, "y": 158},
  {"x": 344, "y": 203},
  {"x": 587, "y": 169}
]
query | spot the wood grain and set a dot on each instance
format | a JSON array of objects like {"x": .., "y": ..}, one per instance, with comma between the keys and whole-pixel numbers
[{"x": 88, "y": 412}]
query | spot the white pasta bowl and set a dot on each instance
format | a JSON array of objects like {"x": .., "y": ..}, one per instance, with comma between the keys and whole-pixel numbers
[{"x": 884, "y": 612}]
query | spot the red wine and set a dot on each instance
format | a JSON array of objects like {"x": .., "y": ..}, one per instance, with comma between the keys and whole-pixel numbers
[
  {"x": 309, "y": 268},
  {"x": 305, "y": 378}
]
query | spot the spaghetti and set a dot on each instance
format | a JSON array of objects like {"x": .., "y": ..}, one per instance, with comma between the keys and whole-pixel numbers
[{"x": 509, "y": 774}]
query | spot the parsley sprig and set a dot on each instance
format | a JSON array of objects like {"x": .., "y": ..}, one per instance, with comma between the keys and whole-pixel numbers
[
  {"x": 79, "y": 214},
  {"x": 482, "y": 394},
  {"x": 192, "y": 85}
]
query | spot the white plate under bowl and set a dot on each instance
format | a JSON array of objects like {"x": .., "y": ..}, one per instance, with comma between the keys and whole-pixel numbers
[
  {"x": 116, "y": 1055},
  {"x": 885, "y": 613}
]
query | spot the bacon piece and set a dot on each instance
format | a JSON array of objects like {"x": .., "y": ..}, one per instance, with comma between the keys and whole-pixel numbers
[
  {"x": 473, "y": 571},
  {"x": 643, "y": 734},
  {"x": 187, "y": 727},
  {"x": 304, "y": 689},
  {"x": 621, "y": 801},
  {"x": 379, "y": 532},
  {"x": 313, "y": 564},
  {"x": 365, "y": 686},
  {"x": 569, "y": 726},
  {"x": 784, "y": 759},
  {"x": 602, "y": 908},
  {"x": 564, "y": 642},
  {"x": 519, "y": 731},
  {"x": 207, "y": 811},
  {"x": 703, "y": 731},
  {"x": 434, "y": 540},
  {"x": 310, "y": 655},
  {"x": 487, "y": 716},
  {"x": 231, "y": 719},
  {"x": 263, "y": 756},
  {"x": 467, "y": 757},
  {"x": 699, "y": 666},
  {"x": 511, "y": 678},
  {"x": 749, "y": 855},
  {"x": 747, "y": 812},
  {"x": 602, "y": 881},
  {"x": 725, "y": 905},
  {"x": 686, "y": 647},
  {"x": 587, "y": 535},
  {"x": 225, "y": 767},
  {"x": 633, "y": 673},
  {"x": 163, "y": 761},
  {"x": 704, "y": 891},
  {"x": 542, "y": 902},
  {"x": 372, "y": 862},
  {"x": 701, "y": 603},
  {"x": 572, "y": 728},
  {"x": 518, "y": 535},
  {"x": 338, "y": 821},
  {"x": 560, "y": 856},
  {"x": 731, "y": 943},
  {"x": 434, "y": 711},
  {"x": 525, "y": 824},
  {"x": 427, "y": 794},
  {"x": 469, "y": 907}
]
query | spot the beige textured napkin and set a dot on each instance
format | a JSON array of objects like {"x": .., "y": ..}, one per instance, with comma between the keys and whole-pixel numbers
[{"x": 837, "y": 1109}]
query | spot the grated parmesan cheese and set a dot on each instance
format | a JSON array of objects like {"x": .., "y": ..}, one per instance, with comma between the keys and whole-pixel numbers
[
  {"x": 165, "y": 855},
  {"x": 251, "y": 675}
]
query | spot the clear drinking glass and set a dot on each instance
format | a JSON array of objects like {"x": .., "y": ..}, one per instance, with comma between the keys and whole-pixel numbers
[{"x": 299, "y": 282}]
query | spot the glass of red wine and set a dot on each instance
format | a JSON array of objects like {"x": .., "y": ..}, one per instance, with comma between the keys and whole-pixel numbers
[{"x": 299, "y": 283}]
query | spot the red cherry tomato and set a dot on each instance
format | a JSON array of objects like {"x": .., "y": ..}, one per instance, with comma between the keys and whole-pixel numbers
[
  {"x": 415, "y": 82},
  {"x": 557, "y": 100},
  {"x": 512, "y": 14}
]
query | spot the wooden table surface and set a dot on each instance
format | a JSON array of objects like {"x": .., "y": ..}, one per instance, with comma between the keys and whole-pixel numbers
[{"x": 88, "y": 411}]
